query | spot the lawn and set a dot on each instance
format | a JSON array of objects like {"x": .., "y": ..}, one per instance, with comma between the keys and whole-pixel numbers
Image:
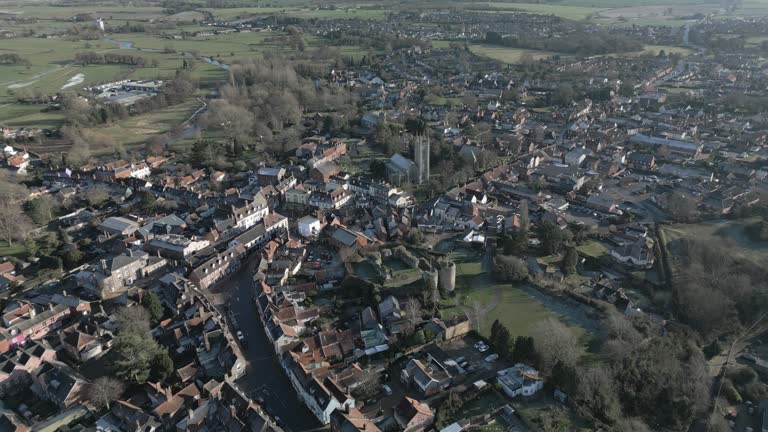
[
  {"x": 507, "y": 55},
  {"x": 593, "y": 249},
  {"x": 11, "y": 250},
  {"x": 508, "y": 303}
]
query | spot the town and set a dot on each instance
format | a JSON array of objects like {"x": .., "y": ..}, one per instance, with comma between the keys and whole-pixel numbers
[{"x": 432, "y": 218}]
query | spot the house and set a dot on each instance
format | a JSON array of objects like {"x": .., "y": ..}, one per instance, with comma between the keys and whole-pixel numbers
[
  {"x": 638, "y": 253},
  {"x": 520, "y": 379},
  {"x": 60, "y": 384},
  {"x": 117, "y": 226},
  {"x": 297, "y": 195},
  {"x": 324, "y": 172},
  {"x": 174, "y": 246},
  {"x": 85, "y": 340},
  {"x": 215, "y": 268},
  {"x": 390, "y": 313},
  {"x": 413, "y": 416},
  {"x": 345, "y": 238},
  {"x": 429, "y": 378},
  {"x": 16, "y": 368},
  {"x": 270, "y": 176},
  {"x": 575, "y": 157},
  {"x": 112, "y": 276},
  {"x": 125, "y": 416},
  {"x": 450, "y": 328},
  {"x": 322, "y": 396},
  {"x": 248, "y": 214},
  {"x": 641, "y": 161},
  {"x": 309, "y": 226},
  {"x": 351, "y": 420}
]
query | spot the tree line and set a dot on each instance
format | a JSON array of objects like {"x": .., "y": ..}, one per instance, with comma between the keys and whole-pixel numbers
[
  {"x": 90, "y": 57},
  {"x": 599, "y": 42},
  {"x": 13, "y": 59}
]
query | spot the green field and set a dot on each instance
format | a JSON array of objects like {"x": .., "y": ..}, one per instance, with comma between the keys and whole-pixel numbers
[
  {"x": 137, "y": 129},
  {"x": 655, "y": 49},
  {"x": 507, "y": 55},
  {"x": 508, "y": 303}
]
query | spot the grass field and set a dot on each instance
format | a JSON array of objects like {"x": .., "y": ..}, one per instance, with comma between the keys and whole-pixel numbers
[
  {"x": 655, "y": 49},
  {"x": 507, "y": 55},
  {"x": 508, "y": 303},
  {"x": 138, "y": 129}
]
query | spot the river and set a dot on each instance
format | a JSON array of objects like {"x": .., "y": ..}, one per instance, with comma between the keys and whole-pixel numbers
[{"x": 129, "y": 45}]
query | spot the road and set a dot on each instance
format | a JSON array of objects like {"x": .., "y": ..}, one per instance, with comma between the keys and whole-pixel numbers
[{"x": 264, "y": 377}]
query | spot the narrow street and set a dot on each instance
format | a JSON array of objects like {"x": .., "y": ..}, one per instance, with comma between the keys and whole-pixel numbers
[{"x": 264, "y": 378}]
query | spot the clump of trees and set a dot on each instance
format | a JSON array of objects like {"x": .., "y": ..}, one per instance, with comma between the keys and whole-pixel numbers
[
  {"x": 717, "y": 291},
  {"x": 263, "y": 102},
  {"x": 580, "y": 43},
  {"x": 138, "y": 356},
  {"x": 510, "y": 269},
  {"x": 645, "y": 378},
  {"x": 13, "y": 59}
]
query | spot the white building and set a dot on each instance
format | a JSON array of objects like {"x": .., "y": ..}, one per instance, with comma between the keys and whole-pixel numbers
[
  {"x": 520, "y": 379},
  {"x": 309, "y": 226},
  {"x": 249, "y": 215}
]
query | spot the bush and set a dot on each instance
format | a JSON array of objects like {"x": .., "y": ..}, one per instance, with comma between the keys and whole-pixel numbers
[
  {"x": 730, "y": 392},
  {"x": 510, "y": 269}
]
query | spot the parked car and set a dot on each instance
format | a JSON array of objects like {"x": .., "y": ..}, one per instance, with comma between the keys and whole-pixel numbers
[
  {"x": 464, "y": 364},
  {"x": 387, "y": 390},
  {"x": 484, "y": 348},
  {"x": 241, "y": 339},
  {"x": 491, "y": 358}
]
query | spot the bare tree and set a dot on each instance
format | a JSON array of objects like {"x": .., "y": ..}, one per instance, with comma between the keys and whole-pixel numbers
[
  {"x": 555, "y": 342},
  {"x": 413, "y": 310},
  {"x": 524, "y": 216},
  {"x": 104, "y": 391},
  {"x": 134, "y": 319},
  {"x": 97, "y": 195},
  {"x": 10, "y": 189},
  {"x": 14, "y": 224}
]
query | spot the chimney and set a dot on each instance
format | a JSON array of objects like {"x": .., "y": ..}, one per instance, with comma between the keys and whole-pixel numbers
[
  {"x": 130, "y": 252},
  {"x": 168, "y": 393},
  {"x": 104, "y": 265},
  {"x": 190, "y": 413}
]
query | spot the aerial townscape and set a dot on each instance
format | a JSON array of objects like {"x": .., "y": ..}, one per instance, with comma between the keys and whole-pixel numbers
[{"x": 386, "y": 216}]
